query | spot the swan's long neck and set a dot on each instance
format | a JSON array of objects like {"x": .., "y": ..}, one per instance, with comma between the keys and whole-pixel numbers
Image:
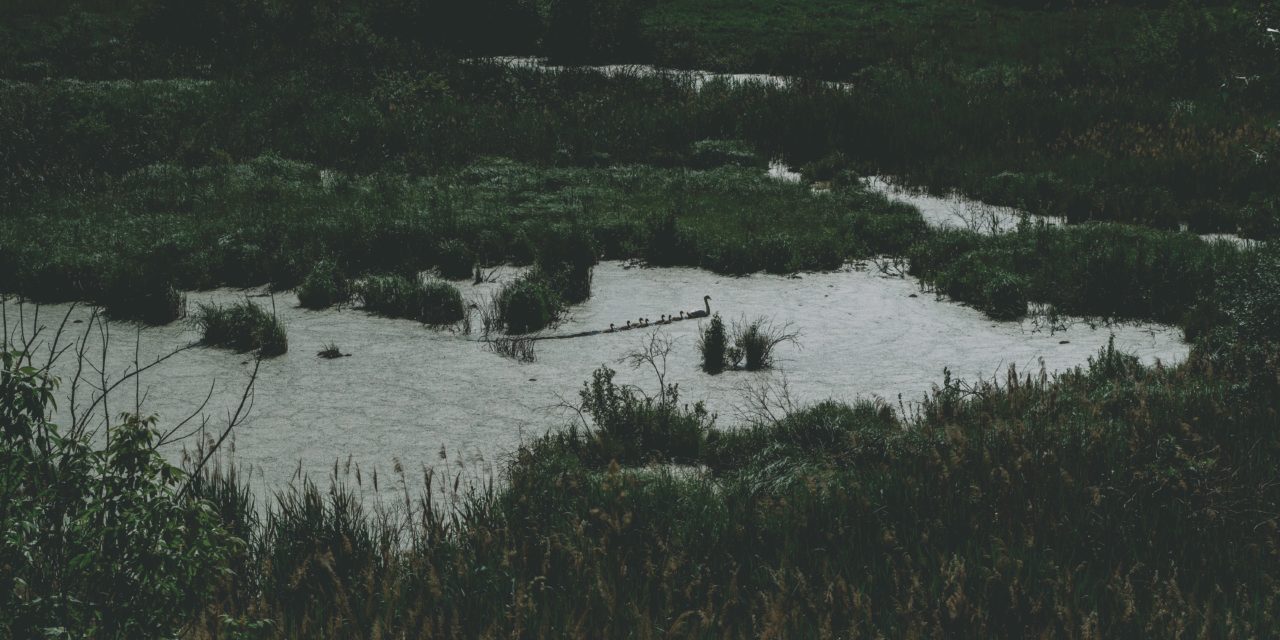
[{"x": 707, "y": 302}]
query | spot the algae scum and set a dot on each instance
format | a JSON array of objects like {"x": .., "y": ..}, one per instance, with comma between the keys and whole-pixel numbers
[{"x": 415, "y": 397}]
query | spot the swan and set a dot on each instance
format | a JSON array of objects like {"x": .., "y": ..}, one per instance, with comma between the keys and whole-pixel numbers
[{"x": 702, "y": 313}]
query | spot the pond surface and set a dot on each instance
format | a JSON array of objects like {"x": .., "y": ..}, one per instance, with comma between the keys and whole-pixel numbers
[{"x": 418, "y": 397}]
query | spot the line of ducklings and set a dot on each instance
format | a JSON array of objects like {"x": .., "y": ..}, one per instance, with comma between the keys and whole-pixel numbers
[{"x": 664, "y": 319}]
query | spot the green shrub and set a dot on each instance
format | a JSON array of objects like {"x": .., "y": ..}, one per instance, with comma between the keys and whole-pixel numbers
[
  {"x": 713, "y": 342},
  {"x": 631, "y": 428},
  {"x": 826, "y": 169},
  {"x": 526, "y": 304},
  {"x": 99, "y": 539},
  {"x": 565, "y": 259},
  {"x": 243, "y": 326},
  {"x": 455, "y": 260},
  {"x": 433, "y": 302},
  {"x": 324, "y": 287},
  {"x": 394, "y": 296},
  {"x": 441, "y": 303},
  {"x": 147, "y": 299},
  {"x": 1004, "y": 295}
]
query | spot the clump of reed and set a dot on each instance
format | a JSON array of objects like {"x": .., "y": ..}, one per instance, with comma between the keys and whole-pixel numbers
[
  {"x": 243, "y": 326},
  {"x": 331, "y": 351},
  {"x": 754, "y": 342},
  {"x": 431, "y": 302},
  {"x": 324, "y": 287}
]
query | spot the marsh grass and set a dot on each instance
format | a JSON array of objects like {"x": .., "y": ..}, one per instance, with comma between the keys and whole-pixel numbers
[
  {"x": 243, "y": 326},
  {"x": 518, "y": 348}
]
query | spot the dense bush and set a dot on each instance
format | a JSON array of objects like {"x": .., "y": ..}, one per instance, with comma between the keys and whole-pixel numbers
[
  {"x": 854, "y": 500},
  {"x": 99, "y": 538}
]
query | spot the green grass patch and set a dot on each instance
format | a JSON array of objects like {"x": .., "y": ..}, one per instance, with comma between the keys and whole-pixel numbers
[{"x": 243, "y": 326}]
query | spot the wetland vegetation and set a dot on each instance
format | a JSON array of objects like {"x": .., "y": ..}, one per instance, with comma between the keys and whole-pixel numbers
[{"x": 372, "y": 154}]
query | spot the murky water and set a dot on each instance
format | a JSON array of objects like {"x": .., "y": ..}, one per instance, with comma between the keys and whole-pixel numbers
[{"x": 407, "y": 393}]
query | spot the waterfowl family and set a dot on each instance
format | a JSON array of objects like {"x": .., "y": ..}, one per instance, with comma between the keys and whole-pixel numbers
[{"x": 642, "y": 322}]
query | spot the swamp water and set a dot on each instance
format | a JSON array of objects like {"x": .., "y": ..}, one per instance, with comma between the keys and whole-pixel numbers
[{"x": 422, "y": 397}]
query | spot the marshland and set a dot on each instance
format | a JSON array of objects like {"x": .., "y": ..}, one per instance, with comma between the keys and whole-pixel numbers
[{"x": 558, "y": 318}]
